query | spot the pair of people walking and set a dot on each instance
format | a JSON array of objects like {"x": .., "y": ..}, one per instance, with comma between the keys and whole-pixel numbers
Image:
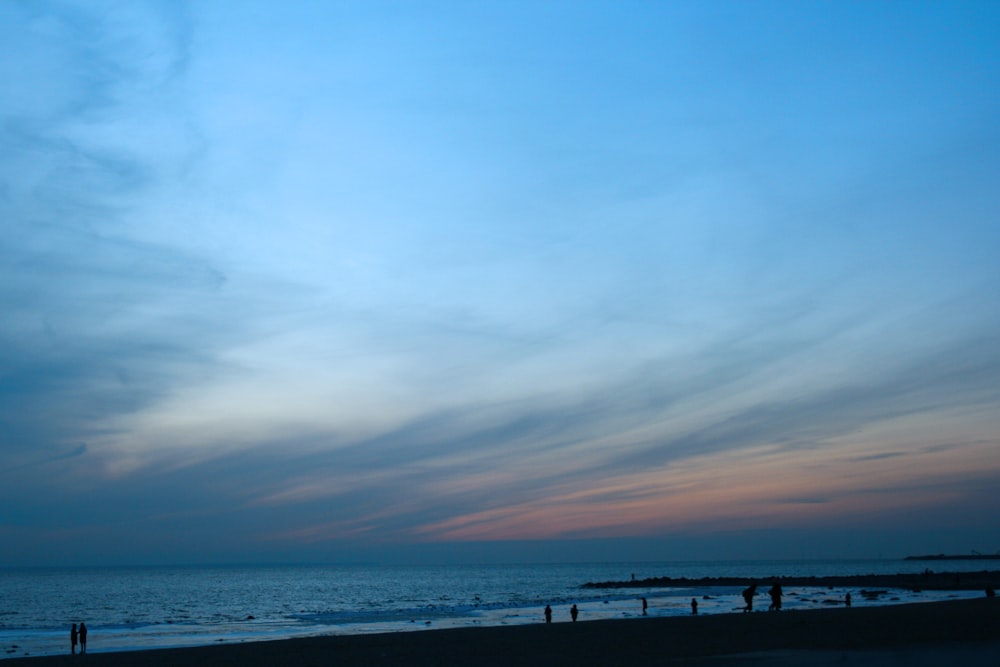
[
  {"x": 78, "y": 635},
  {"x": 775, "y": 594},
  {"x": 573, "y": 612}
]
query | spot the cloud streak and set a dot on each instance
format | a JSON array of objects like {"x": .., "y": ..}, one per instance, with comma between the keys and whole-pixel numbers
[{"x": 342, "y": 293}]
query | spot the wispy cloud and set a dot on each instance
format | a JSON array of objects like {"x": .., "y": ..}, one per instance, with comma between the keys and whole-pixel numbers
[
  {"x": 97, "y": 321},
  {"x": 339, "y": 289}
]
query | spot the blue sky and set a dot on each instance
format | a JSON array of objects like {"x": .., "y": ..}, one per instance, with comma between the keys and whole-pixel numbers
[{"x": 498, "y": 280}]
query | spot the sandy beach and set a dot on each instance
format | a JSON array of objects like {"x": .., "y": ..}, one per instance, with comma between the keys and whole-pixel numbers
[{"x": 966, "y": 632}]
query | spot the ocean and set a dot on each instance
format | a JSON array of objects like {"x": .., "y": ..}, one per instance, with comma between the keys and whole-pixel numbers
[{"x": 156, "y": 607}]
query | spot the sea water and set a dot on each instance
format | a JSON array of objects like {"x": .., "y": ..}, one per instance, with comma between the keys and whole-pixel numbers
[{"x": 141, "y": 608}]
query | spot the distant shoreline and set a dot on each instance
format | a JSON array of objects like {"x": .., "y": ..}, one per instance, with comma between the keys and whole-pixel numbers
[{"x": 934, "y": 581}]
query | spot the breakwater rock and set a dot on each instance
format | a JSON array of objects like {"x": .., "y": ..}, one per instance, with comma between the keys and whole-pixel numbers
[{"x": 927, "y": 580}]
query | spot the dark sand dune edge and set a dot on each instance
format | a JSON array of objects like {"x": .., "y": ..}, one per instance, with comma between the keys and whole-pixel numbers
[{"x": 951, "y": 625}]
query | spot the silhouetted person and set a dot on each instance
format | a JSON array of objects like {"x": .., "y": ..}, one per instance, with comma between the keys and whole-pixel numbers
[
  {"x": 645, "y": 605},
  {"x": 573, "y": 612},
  {"x": 72, "y": 640},
  {"x": 748, "y": 594},
  {"x": 775, "y": 594},
  {"x": 694, "y": 607},
  {"x": 548, "y": 614},
  {"x": 83, "y": 638},
  {"x": 847, "y": 599}
]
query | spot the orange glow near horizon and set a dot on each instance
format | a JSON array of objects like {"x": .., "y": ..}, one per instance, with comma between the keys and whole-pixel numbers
[{"x": 765, "y": 487}]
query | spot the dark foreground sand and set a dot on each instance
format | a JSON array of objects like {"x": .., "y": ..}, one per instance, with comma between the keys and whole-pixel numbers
[{"x": 954, "y": 633}]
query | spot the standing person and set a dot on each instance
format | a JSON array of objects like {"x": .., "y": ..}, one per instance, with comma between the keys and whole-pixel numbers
[
  {"x": 775, "y": 594},
  {"x": 548, "y": 614},
  {"x": 748, "y": 597},
  {"x": 694, "y": 607},
  {"x": 72, "y": 640},
  {"x": 573, "y": 611},
  {"x": 645, "y": 605},
  {"x": 83, "y": 638}
]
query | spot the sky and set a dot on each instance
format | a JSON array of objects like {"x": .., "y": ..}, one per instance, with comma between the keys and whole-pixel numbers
[{"x": 498, "y": 281}]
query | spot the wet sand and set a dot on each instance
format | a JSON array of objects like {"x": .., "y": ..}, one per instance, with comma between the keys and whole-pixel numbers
[{"x": 965, "y": 632}]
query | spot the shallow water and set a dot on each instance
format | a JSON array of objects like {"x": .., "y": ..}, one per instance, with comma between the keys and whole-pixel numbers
[{"x": 131, "y": 608}]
